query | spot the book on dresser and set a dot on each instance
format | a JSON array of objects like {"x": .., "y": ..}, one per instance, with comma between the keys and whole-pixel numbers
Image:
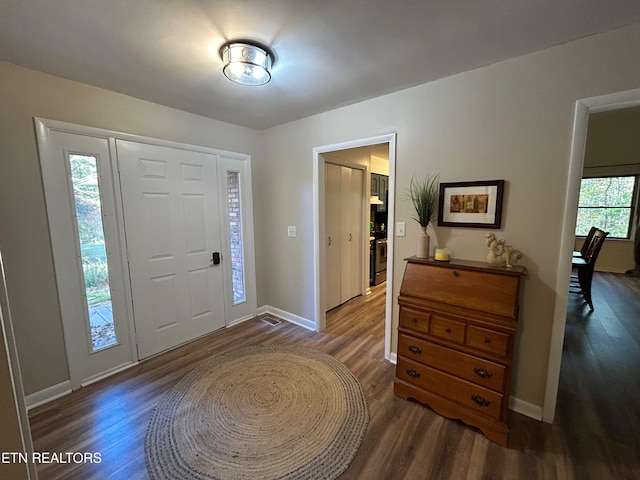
[{"x": 456, "y": 335}]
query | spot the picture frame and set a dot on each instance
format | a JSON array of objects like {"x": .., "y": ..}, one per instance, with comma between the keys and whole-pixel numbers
[{"x": 471, "y": 204}]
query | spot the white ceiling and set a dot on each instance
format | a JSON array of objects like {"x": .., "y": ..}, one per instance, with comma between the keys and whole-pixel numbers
[{"x": 329, "y": 53}]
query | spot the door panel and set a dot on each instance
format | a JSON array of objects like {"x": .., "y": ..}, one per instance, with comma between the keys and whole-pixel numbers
[
  {"x": 333, "y": 228},
  {"x": 346, "y": 234},
  {"x": 357, "y": 242},
  {"x": 172, "y": 222}
]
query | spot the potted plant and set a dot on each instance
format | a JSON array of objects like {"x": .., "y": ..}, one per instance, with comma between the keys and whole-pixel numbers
[{"x": 424, "y": 194}]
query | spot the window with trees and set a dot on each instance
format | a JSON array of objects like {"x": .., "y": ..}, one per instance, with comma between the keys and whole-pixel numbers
[
  {"x": 88, "y": 210},
  {"x": 607, "y": 203}
]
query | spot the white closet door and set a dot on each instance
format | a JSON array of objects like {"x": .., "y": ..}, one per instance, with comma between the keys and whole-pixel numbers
[
  {"x": 172, "y": 222},
  {"x": 357, "y": 241},
  {"x": 345, "y": 242},
  {"x": 333, "y": 227},
  {"x": 346, "y": 235}
]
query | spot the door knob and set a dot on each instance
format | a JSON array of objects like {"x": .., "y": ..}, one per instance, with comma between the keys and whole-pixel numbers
[{"x": 216, "y": 258}]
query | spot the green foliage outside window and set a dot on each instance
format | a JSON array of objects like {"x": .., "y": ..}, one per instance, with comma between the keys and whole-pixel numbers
[
  {"x": 87, "y": 196},
  {"x": 86, "y": 192},
  {"x": 606, "y": 203}
]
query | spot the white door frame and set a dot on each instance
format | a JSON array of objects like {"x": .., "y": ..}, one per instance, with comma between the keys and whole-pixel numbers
[
  {"x": 15, "y": 377},
  {"x": 320, "y": 320},
  {"x": 584, "y": 107}
]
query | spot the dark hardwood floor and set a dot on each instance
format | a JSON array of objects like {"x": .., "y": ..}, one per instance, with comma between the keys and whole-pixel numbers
[{"x": 596, "y": 434}]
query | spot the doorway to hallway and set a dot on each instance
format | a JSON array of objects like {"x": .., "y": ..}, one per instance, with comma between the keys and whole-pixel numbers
[{"x": 363, "y": 154}]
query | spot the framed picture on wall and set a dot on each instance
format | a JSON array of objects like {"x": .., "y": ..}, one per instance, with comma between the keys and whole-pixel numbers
[{"x": 471, "y": 204}]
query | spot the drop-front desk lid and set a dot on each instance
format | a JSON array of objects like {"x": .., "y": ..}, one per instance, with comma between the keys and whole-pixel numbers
[{"x": 464, "y": 283}]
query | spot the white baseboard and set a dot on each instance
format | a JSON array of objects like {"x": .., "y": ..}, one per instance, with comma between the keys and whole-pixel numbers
[
  {"x": 525, "y": 408},
  {"x": 393, "y": 358},
  {"x": 240, "y": 320},
  {"x": 108, "y": 373},
  {"x": 289, "y": 317},
  {"x": 48, "y": 394},
  {"x": 612, "y": 270}
]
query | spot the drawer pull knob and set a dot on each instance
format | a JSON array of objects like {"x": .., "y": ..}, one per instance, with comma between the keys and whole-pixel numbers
[
  {"x": 456, "y": 273},
  {"x": 414, "y": 349},
  {"x": 414, "y": 320},
  {"x": 487, "y": 341},
  {"x": 412, "y": 373},
  {"x": 481, "y": 372},
  {"x": 447, "y": 330},
  {"x": 480, "y": 400}
]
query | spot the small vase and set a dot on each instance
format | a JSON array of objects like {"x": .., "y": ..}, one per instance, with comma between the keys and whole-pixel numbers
[{"x": 424, "y": 242}]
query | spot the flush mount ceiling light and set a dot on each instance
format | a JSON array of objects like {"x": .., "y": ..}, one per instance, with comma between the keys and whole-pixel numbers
[{"x": 246, "y": 63}]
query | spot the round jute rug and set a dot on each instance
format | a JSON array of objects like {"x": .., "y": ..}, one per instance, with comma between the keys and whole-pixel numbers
[{"x": 265, "y": 412}]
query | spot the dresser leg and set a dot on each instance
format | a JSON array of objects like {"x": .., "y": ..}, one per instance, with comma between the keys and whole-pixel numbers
[{"x": 493, "y": 430}]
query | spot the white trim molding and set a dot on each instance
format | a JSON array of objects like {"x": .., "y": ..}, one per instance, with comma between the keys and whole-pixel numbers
[
  {"x": 48, "y": 394},
  {"x": 525, "y": 408}
]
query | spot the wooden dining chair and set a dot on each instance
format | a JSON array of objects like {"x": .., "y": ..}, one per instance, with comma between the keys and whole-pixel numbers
[
  {"x": 585, "y": 246},
  {"x": 584, "y": 265}
]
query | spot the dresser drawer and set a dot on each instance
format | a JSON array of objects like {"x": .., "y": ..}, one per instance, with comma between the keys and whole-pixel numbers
[
  {"x": 488, "y": 340},
  {"x": 414, "y": 320},
  {"x": 447, "y": 329},
  {"x": 476, "y": 370},
  {"x": 465, "y": 393},
  {"x": 479, "y": 290}
]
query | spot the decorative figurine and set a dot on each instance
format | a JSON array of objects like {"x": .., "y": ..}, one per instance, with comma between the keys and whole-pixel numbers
[{"x": 500, "y": 253}]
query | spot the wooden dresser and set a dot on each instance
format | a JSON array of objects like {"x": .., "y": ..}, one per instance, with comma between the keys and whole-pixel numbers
[{"x": 455, "y": 340}]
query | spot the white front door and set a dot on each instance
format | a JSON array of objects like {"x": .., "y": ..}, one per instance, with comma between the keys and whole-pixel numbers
[{"x": 170, "y": 203}]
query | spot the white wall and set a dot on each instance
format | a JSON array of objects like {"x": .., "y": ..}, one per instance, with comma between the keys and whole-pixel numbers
[
  {"x": 512, "y": 120},
  {"x": 24, "y": 234},
  {"x": 380, "y": 165}
]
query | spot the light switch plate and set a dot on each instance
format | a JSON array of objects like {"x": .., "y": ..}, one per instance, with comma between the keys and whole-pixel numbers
[
  {"x": 400, "y": 229},
  {"x": 291, "y": 231}
]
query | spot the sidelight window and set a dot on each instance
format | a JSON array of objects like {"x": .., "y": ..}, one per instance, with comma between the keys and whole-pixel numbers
[
  {"x": 235, "y": 236},
  {"x": 93, "y": 253}
]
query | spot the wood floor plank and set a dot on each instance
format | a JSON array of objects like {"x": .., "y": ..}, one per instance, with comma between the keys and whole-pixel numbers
[{"x": 595, "y": 435}]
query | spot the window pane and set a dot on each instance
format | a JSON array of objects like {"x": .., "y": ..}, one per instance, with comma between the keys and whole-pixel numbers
[
  {"x": 235, "y": 237},
  {"x": 605, "y": 202},
  {"x": 88, "y": 208},
  {"x": 606, "y": 192},
  {"x": 612, "y": 220}
]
